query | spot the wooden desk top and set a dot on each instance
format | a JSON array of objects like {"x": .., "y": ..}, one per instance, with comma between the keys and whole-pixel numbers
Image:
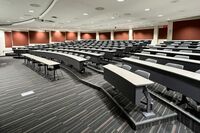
[
  {"x": 133, "y": 78},
  {"x": 172, "y": 52},
  {"x": 183, "y": 73},
  {"x": 78, "y": 58},
  {"x": 170, "y": 58},
  {"x": 42, "y": 60}
]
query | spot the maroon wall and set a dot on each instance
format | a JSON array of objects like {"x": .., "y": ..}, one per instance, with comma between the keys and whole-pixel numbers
[
  {"x": 20, "y": 38},
  {"x": 121, "y": 35},
  {"x": 87, "y": 36},
  {"x": 71, "y": 36},
  {"x": 143, "y": 34},
  {"x": 8, "y": 39},
  {"x": 186, "y": 30},
  {"x": 38, "y": 37},
  {"x": 57, "y": 36},
  {"x": 104, "y": 36},
  {"x": 162, "y": 33}
]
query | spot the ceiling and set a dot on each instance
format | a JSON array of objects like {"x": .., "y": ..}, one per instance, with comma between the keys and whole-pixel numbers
[{"x": 68, "y": 14}]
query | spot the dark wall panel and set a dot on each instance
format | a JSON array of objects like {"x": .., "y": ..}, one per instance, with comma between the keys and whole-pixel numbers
[
  {"x": 57, "y": 36},
  {"x": 162, "y": 33},
  {"x": 186, "y": 30},
  {"x": 8, "y": 39},
  {"x": 38, "y": 37},
  {"x": 121, "y": 35},
  {"x": 87, "y": 36},
  {"x": 20, "y": 38},
  {"x": 143, "y": 34},
  {"x": 71, "y": 36},
  {"x": 104, "y": 36}
]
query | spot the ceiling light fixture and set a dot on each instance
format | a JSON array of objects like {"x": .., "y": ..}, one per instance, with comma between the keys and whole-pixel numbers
[
  {"x": 85, "y": 14},
  {"x": 31, "y": 11},
  {"x": 160, "y": 15},
  {"x": 120, "y": 0},
  {"x": 112, "y": 17},
  {"x": 147, "y": 9}
]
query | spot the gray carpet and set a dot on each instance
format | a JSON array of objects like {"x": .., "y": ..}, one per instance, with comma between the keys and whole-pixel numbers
[{"x": 64, "y": 105}]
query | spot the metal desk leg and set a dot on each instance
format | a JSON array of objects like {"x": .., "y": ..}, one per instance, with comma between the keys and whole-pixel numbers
[{"x": 149, "y": 112}]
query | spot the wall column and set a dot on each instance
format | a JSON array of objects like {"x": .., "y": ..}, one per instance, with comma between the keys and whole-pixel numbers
[
  {"x": 97, "y": 35},
  {"x": 79, "y": 35},
  {"x": 155, "y": 36},
  {"x": 170, "y": 30},
  {"x": 130, "y": 34},
  {"x": 112, "y": 35},
  {"x": 2, "y": 42}
]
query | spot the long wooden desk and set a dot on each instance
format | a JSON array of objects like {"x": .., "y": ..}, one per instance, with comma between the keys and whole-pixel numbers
[
  {"x": 195, "y": 56},
  {"x": 189, "y": 64},
  {"x": 72, "y": 60},
  {"x": 130, "y": 84},
  {"x": 108, "y": 53},
  {"x": 45, "y": 61},
  {"x": 95, "y": 57},
  {"x": 183, "y": 81},
  {"x": 194, "y": 50}
]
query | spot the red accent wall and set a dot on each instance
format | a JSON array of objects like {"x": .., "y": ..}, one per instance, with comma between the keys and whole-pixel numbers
[
  {"x": 8, "y": 39},
  {"x": 38, "y": 37},
  {"x": 186, "y": 30},
  {"x": 20, "y": 38},
  {"x": 87, "y": 36},
  {"x": 162, "y": 33},
  {"x": 57, "y": 36},
  {"x": 143, "y": 34},
  {"x": 71, "y": 36},
  {"x": 121, "y": 35},
  {"x": 104, "y": 36}
]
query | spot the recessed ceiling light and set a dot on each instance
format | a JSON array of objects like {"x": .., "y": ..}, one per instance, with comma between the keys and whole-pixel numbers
[
  {"x": 31, "y": 11},
  {"x": 85, "y": 14},
  {"x": 168, "y": 19},
  {"x": 160, "y": 15},
  {"x": 8, "y": 21},
  {"x": 147, "y": 9},
  {"x": 112, "y": 17},
  {"x": 120, "y": 0}
]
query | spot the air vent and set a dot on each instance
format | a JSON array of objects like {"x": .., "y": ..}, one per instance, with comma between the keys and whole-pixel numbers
[
  {"x": 54, "y": 17},
  {"x": 35, "y": 5},
  {"x": 99, "y": 8},
  {"x": 127, "y": 14}
]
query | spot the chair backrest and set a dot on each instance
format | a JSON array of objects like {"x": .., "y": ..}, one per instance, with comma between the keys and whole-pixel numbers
[
  {"x": 198, "y": 71},
  {"x": 127, "y": 67},
  {"x": 135, "y": 57},
  {"x": 161, "y": 54},
  {"x": 187, "y": 51},
  {"x": 151, "y": 60},
  {"x": 175, "y": 65},
  {"x": 182, "y": 56},
  {"x": 143, "y": 73}
]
